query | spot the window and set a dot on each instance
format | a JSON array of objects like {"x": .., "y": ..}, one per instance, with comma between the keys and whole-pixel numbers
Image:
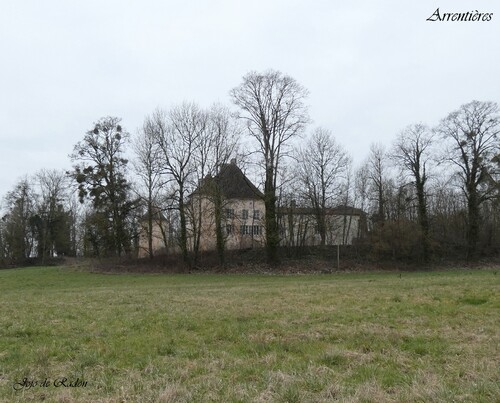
[
  {"x": 229, "y": 229},
  {"x": 244, "y": 214},
  {"x": 257, "y": 230},
  {"x": 256, "y": 214},
  {"x": 229, "y": 213},
  {"x": 250, "y": 230}
]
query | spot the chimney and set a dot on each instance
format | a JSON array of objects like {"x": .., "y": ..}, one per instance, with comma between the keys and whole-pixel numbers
[{"x": 233, "y": 161}]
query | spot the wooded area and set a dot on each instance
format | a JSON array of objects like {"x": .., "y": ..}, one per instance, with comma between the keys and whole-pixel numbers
[{"x": 431, "y": 194}]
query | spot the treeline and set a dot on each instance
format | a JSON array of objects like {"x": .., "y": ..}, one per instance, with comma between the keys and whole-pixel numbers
[{"x": 433, "y": 193}]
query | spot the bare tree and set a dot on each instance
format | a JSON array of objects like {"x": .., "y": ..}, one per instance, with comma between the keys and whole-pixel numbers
[
  {"x": 178, "y": 134},
  {"x": 472, "y": 136},
  {"x": 148, "y": 169},
  {"x": 377, "y": 171},
  {"x": 203, "y": 167},
  {"x": 322, "y": 170},
  {"x": 53, "y": 220},
  {"x": 348, "y": 198},
  {"x": 411, "y": 153},
  {"x": 223, "y": 134},
  {"x": 217, "y": 144},
  {"x": 272, "y": 105},
  {"x": 361, "y": 186}
]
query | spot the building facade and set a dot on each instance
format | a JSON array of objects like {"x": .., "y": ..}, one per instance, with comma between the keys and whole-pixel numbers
[{"x": 238, "y": 202}]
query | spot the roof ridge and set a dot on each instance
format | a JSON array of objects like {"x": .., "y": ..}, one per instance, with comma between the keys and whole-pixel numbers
[{"x": 233, "y": 182}]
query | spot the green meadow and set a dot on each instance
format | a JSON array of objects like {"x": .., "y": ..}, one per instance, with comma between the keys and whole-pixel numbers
[{"x": 75, "y": 336}]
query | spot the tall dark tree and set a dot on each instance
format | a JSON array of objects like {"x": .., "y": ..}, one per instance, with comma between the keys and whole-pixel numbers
[
  {"x": 18, "y": 236},
  {"x": 3, "y": 245},
  {"x": 472, "y": 135},
  {"x": 411, "y": 152},
  {"x": 272, "y": 105},
  {"x": 100, "y": 172}
]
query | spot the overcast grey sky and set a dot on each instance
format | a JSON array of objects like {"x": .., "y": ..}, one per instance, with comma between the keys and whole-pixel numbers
[{"x": 372, "y": 67}]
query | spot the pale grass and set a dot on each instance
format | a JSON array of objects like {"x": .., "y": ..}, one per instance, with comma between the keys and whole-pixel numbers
[{"x": 174, "y": 393}]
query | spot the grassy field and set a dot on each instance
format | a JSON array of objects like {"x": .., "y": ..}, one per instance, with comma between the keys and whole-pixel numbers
[{"x": 421, "y": 337}]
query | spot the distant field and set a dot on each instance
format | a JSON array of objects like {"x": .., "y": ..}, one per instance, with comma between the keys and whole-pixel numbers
[{"x": 424, "y": 337}]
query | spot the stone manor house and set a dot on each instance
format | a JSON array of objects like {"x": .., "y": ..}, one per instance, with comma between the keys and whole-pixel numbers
[{"x": 243, "y": 215}]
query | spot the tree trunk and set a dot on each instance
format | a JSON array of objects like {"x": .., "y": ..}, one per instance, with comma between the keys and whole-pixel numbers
[
  {"x": 423, "y": 220},
  {"x": 219, "y": 234},
  {"x": 472, "y": 224},
  {"x": 272, "y": 233},
  {"x": 183, "y": 229}
]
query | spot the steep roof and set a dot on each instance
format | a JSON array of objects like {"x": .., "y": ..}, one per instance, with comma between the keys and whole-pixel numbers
[{"x": 233, "y": 183}]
